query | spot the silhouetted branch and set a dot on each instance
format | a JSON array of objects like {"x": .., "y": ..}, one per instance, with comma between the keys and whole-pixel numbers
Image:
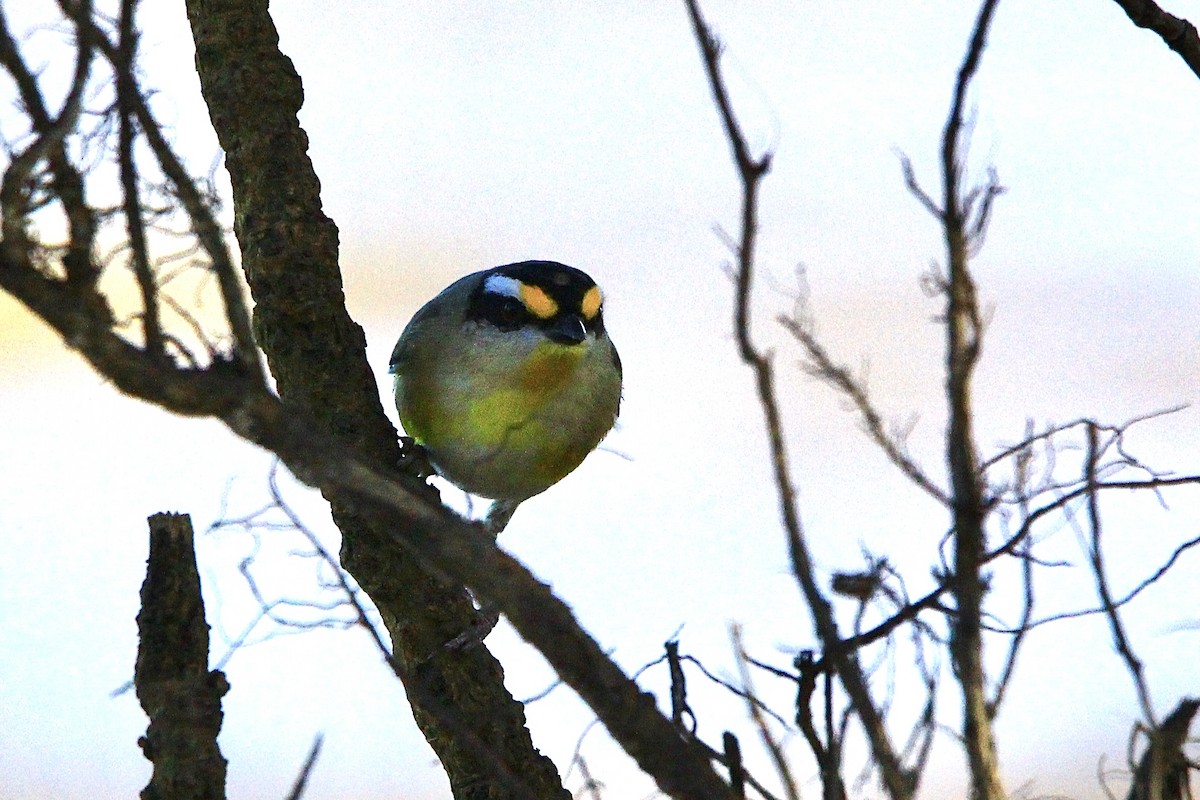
[
  {"x": 1178, "y": 34},
  {"x": 840, "y": 378},
  {"x": 828, "y": 753},
  {"x": 1162, "y": 772},
  {"x": 1096, "y": 557},
  {"x": 751, "y": 170},
  {"x": 1119, "y": 602},
  {"x": 198, "y": 209},
  {"x": 687, "y": 727},
  {"x": 782, "y": 768},
  {"x": 180, "y": 695},
  {"x": 301, "y": 782},
  {"x": 964, "y": 217},
  {"x": 1022, "y": 463},
  {"x": 733, "y": 758},
  {"x": 131, "y": 196}
]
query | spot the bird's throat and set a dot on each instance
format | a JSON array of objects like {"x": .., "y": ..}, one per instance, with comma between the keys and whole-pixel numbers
[{"x": 549, "y": 368}]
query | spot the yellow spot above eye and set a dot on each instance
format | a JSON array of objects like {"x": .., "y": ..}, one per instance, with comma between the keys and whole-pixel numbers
[
  {"x": 590, "y": 305},
  {"x": 540, "y": 304}
]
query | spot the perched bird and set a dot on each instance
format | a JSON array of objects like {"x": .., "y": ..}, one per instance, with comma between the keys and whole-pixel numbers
[{"x": 508, "y": 380}]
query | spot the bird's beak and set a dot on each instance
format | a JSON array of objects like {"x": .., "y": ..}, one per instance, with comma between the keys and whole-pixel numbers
[{"x": 567, "y": 329}]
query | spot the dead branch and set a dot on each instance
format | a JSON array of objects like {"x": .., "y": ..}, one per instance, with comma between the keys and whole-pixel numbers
[
  {"x": 1178, "y": 34},
  {"x": 1021, "y": 481},
  {"x": 964, "y": 217},
  {"x": 773, "y": 748},
  {"x": 179, "y": 694},
  {"x": 733, "y": 757},
  {"x": 751, "y": 170},
  {"x": 839, "y": 377},
  {"x": 1096, "y": 558},
  {"x": 1162, "y": 772}
]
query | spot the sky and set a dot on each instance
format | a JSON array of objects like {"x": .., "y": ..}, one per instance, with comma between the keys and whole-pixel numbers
[{"x": 457, "y": 136}]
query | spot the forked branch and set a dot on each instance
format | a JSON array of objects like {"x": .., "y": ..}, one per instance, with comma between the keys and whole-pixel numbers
[{"x": 899, "y": 782}]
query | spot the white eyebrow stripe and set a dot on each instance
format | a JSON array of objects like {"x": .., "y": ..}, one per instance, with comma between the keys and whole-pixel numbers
[{"x": 503, "y": 285}]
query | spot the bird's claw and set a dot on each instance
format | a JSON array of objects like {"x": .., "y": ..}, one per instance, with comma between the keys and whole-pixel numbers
[
  {"x": 414, "y": 459},
  {"x": 486, "y": 619}
]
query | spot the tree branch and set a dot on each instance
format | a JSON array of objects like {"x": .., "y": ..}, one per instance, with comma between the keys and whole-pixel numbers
[
  {"x": 1178, "y": 34},
  {"x": 1096, "y": 558},
  {"x": 332, "y": 434},
  {"x": 317, "y": 356},
  {"x": 180, "y": 696},
  {"x": 899, "y": 783},
  {"x": 963, "y": 337},
  {"x": 1162, "y": 773},
  {"x": 840, "y": 378}
]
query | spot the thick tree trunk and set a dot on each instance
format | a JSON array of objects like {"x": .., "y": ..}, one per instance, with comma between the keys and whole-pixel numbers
[{"x": 317, "y": 356}]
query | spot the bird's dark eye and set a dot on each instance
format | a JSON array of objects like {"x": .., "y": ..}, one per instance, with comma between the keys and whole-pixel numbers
[{"x": 509, "y": 313}]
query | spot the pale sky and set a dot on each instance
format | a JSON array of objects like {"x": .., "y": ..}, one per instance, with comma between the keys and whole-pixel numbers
[{"x": 455, "y": 136}]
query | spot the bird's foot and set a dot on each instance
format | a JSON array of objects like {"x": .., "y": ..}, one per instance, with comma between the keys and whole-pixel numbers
[
  {"x": 486, "y": 619},
  {"x": 414, "y": 459}
]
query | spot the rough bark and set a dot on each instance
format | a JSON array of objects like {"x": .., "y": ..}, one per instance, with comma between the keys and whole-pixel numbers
[
  {"x": 180, "y": 696},
  {"x": 1162, "y": 774},
  {"x": 317, "y": 356}
]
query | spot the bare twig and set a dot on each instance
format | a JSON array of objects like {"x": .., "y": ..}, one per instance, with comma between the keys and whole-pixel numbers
[
  {"x": 199, "y": 212},
  {"x": 751, "y": 170},
  {"x": 590, "y": 785},
  {"x": 1096, "y": 557},
  {"x": 782, "y": 769},
  {"x": 301, "y": 782},
  {"x": 840, "y": 378},
  {"x": 131, "y": 197},
  {"x": 963, "y": 222},
  {"x": 16, "y": 191},
  {"x": 679, "y": 704},
  {"x": 1021, "y": 482},
  {"x": 1119, "y": 602}
]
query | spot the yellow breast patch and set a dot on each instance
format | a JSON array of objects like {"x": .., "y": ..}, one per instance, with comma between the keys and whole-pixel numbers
[
  {"x": 511, "y": 411},
  {"x": 548, "y": 368}
]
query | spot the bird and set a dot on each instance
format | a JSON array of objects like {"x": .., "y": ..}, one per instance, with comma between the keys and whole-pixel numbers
[{"x": 508, "y": 379}]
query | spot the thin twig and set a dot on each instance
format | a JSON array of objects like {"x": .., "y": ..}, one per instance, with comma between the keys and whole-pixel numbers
[
  {"x": 782, "y": 769},
  {"x": 963, "y": 341},
  {"x": 1096, "y": 557},
  {"x": 1021, "y": 482},
  {"x": 202, "y": 220},
  {"x": 130, "y": 196},
  {"x": 301, "y": 782},
  {"x": 839, "y": 376},
  {"x": 751, "y": 171}
]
